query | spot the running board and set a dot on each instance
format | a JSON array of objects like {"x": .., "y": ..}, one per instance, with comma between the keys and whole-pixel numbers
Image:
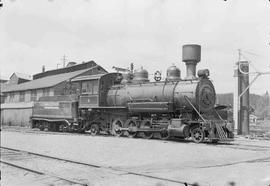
[{"x": 142, "y": 129}]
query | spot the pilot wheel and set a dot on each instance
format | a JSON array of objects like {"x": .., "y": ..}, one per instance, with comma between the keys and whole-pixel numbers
[
  {"x": 164, "y": 134},
  {"x": 197, "y": 134}
]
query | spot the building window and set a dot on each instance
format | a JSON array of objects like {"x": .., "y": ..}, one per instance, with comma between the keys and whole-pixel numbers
[
  {"x": 3, "y": 98},
  {"x": 75, "y": 88},
  {"x": 11, "y": 97},
  {"x": 46, "y": 91},
  {"x": 21, "y": 97},
  {"x": 33, "y": 95},
  {"x": 95, "y": 87}
]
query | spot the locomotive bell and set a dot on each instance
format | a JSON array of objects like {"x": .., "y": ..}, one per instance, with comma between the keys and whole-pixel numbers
[
  {"x": 173, "y": 73},
  {"x": 140, "y": 76},
  {"x": 191, "y": 55}
]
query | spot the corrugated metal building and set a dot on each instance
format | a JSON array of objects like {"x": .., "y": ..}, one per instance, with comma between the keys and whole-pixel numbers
[{"x": 19, "y": 98}]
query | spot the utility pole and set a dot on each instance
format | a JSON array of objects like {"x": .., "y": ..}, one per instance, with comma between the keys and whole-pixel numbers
[
  {"x": 236, "y": 103},
  {"x": 241, "y": 97},
  {"x": 64, "y": 59},
  {"x": 241, "y": 94}
]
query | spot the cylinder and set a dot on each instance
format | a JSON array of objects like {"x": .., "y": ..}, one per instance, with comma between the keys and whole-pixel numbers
[
  {"x": 182, "y": 131},
  {"x": 191, "y": 55}
]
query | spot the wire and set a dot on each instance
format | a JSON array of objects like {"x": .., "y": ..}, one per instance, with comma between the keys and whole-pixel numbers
[
  {"x": 251, "y": 53},
  {"x": 249, "y": 62}
]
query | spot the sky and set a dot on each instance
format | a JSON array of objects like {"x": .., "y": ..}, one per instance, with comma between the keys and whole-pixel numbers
[{"x": 148, "y": 33}]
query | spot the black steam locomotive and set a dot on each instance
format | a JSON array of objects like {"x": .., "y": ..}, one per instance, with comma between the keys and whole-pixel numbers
[{"x": 128, "y": 104}]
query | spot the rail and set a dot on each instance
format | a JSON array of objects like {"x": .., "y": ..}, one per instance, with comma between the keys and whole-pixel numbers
[
  {"x": 41, "y": 173},
  {"x": 98, "y": 166}
]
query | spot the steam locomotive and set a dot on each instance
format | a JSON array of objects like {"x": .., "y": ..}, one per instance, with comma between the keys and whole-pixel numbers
[{"x": 128, "y": 104}]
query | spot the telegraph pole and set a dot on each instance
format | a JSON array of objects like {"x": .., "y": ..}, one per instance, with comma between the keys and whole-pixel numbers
[
  {"x": 241, "y": 94},
  {"x": 64, "y": 59},
  {"x": 241, "y": 98}
]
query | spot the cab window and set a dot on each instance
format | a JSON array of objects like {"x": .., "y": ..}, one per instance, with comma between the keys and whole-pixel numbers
[{"x": 90, "y": 87}]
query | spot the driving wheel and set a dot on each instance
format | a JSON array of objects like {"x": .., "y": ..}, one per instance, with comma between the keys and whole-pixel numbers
[
  {"x": 148, "y": 134},
  {"x": 116, "y": 127},
  {"x": 132, "y": 128},
  {"x": 94, "y": 129}
]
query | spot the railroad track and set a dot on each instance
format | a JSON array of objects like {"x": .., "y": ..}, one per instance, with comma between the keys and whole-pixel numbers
[
  {"x": 70, "y": 181},
  {"x": 172, "y": 140},
  {"x": 11, "y": 157},
  {"x": 243, "y": 147}
]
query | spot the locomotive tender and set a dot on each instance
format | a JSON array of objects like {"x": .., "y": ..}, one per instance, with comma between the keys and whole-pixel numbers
[{"x": 129, "y": 104}]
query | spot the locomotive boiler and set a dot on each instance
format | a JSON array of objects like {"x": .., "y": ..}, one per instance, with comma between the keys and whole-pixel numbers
[
  {"x": 174, "y": 90},
  {"x": 200, "y": 92},
  {"x": 129, "y": 104}
]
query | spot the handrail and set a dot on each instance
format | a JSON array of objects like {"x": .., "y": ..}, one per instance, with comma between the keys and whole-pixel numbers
[{"x": 194, "y": 108}]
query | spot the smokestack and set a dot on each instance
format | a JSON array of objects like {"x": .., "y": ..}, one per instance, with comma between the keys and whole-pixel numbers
[
  {"x": 43, "y": 68},
  {"x": 191, "y": 55}
]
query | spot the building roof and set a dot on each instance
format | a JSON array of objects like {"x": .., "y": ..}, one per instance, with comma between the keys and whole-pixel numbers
[
  {"x": 44, "y": 82},
  {"x": 72, "y": 68},
  {"x": 88, "y": 77},
  {"x": 22, "y": 76},
  {"x": 3, "y": 80}
]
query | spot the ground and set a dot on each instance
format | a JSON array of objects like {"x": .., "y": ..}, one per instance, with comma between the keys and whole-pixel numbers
[{"x": 244, "y": 161}]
